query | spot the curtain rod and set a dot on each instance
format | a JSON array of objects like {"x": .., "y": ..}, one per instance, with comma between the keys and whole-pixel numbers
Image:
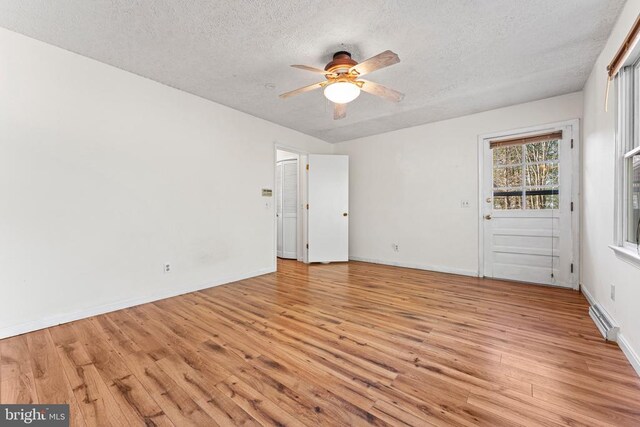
[
  {"x": 621, "y": 56},
  {"x": 625, "y": 49}
]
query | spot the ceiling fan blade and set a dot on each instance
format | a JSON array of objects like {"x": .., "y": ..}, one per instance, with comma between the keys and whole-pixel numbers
[
  {"x": 377, "y": 62},
  {"x": 312, "y": 69},
  {"x": 381, "y": 91},
  {"x": 301, "y": 90},
  {"x": 339, "y": 111}
]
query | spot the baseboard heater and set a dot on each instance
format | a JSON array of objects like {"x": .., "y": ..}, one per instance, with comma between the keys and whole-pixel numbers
[{"x": 604, "y": 323}]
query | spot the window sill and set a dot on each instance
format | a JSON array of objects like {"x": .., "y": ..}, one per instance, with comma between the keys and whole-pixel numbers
[{"x": 626, "y": 254}]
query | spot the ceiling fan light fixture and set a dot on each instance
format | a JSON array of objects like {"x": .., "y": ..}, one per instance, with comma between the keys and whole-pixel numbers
[{"x": 341, "y": 92}]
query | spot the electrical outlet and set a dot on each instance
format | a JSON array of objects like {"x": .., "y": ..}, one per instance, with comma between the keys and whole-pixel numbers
[
  {"x": 464, "y": 204},
  {"x": 395, "y": 247},
  {"x": 167, "y": 268},
  {"x": 613, "y": 292}
]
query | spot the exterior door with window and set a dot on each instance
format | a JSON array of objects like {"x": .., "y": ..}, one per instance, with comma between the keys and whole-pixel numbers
[{"x": 527, "y": 207}]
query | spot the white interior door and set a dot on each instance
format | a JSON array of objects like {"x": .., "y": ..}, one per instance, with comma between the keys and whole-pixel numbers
[
  {"x": 328, "y": 197},
  {"x": 287, "y": 208},
  {"x": 527, "y": 208}
]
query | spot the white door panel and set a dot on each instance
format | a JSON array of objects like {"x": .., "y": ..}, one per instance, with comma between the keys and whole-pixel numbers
[
  {"x": 328, "y": 196},
  {"x": 287, "y": 208}
]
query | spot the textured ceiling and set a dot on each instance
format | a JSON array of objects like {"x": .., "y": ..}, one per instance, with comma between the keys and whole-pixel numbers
[{"x": 458, "y": 56}]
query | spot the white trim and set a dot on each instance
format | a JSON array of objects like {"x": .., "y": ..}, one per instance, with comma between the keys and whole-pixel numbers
[
  {"x": 574, "y": 124},
  {"x": 627, "y": 255},
  {"x": 22, "y": 328},
  {"x": 436, "y": 268},
  {"x": 624, "y": 345},
  {"x": 590, "y": 299},
  {"x": 481, "y": 201},
  {"x": 633, "y": 152},
  {"x": 628, "y": 351},
  {"x": 623, "y": 139}
]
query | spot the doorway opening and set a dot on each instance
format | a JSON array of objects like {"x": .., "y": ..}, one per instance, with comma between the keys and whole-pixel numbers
[
  {"x": 311, "y": 215},
  {"x": 287, "y": 204},
  {"x": 290, "y": 199}
]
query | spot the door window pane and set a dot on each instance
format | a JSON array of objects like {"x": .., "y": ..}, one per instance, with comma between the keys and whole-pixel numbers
[
  {"x": 542, "y": 175},
  {"x": 526, "y": 174},
  {"x": 548, "y": 201},
  {"x": 507, "y": 177},
  {"x": 507, "y": 202},
  {"x": 633, "y": 199},
  {"x": 541, "y": 151},
  {"x": 508, "y": 155}
]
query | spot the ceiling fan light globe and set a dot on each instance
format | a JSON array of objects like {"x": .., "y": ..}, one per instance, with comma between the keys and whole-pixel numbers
[{"x": 341, "y": 92}]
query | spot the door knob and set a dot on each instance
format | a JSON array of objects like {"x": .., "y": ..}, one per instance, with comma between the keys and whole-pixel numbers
[
  {"x": 345, "y": 214},
  {"x": 488, "y": 216}
]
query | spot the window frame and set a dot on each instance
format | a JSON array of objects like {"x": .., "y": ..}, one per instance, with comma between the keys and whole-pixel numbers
[
  {"x": 627, "y": 145},
  {"x": 524, "y": 189}
]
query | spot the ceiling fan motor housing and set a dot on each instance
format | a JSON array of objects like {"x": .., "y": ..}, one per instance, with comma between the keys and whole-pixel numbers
[{"x": 341, "y": 62}]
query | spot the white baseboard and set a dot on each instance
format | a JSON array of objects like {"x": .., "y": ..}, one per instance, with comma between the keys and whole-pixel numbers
[
  {"x": 629, "y": 352},
  {"x": 439, "y": 269},
  {"x": 624, "y": 345},
  {"x": 587, "y": 295},
  {"x": 13, "y": 330}
]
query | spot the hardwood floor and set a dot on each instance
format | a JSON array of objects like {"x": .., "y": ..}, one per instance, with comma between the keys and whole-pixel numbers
[{"x": 344, "y": 344}]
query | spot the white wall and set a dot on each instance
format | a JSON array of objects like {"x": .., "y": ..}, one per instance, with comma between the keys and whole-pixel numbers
[
  {"x": 407, "y": 186},
  {"x": 600, "y": 267},
  {"x": 105, "y": 176}
]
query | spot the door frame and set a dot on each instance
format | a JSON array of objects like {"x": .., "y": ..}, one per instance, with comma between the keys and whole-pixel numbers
[
  {"x": 301, "y": 219},
  {"x": 574, "y": 124}
]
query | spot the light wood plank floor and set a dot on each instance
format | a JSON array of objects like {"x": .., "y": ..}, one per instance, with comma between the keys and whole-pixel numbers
[{"x": 344, "y": 344}]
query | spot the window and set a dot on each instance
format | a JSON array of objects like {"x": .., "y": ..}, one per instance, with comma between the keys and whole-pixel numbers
[
  {"x": 633, "y": 198},
  {"x": 628, "y": 158},
  {"x": 525, "y": 174}
]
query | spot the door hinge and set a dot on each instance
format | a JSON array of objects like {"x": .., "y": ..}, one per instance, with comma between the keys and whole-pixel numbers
[
  {"x": 307, "y": 246},
  {"x": 572, "y": 267},
  {"x": 307, "y": 166},
  {"x": 307, "y": 206},
  {"x": 571, "y": 142},
  {"x": 571, "y": 206}
]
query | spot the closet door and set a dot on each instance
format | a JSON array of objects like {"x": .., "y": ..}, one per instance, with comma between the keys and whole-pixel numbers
[{"x": 289, "y": 208}]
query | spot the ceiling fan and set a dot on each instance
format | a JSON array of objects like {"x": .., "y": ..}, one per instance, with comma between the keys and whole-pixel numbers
[{"x": 343, "y": 82}]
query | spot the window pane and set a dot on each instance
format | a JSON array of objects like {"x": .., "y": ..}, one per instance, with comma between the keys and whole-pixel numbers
[
  {"x": 633, "y": 201},
  {"x": 542, "y": 175},
  {"x": 547, "y": 201},
  {"x": 507, "y": 202},
  {"x": 507, "y": 155},
  {"x": 541, "y": 151},
  {"x": 507, "y": 177}
]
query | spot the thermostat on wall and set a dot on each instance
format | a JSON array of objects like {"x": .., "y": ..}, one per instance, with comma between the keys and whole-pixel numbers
[{"x": 267, "y": 192}]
